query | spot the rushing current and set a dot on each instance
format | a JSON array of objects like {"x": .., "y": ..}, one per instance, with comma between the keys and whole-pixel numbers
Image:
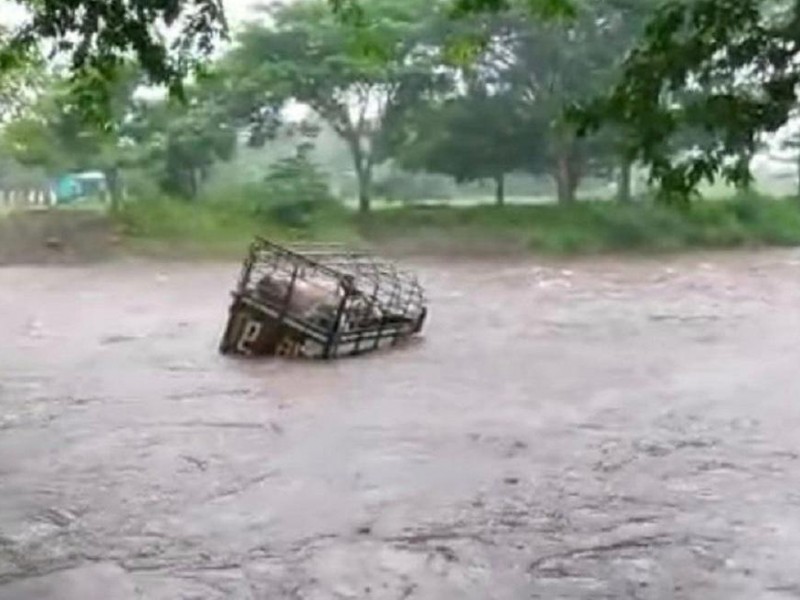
[{"x": 604, "y": 428}]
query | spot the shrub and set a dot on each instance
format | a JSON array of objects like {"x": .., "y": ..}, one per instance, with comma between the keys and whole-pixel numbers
[{"x": 293, "y": 190}]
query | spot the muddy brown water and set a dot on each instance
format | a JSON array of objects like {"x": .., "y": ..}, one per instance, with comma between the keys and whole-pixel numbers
[{"x": 599, "y": 429}]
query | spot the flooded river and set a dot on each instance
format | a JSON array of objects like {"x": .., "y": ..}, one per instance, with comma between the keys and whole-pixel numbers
[{"x": 598, "y": 429}]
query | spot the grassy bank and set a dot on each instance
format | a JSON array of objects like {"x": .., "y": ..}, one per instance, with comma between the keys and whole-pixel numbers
[
  {"x": 224, "y": 228},
  {"x": 595, "y": 227}
]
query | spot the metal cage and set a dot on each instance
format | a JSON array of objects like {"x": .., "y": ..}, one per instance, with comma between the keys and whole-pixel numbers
[{"x": 320, "y": 301}]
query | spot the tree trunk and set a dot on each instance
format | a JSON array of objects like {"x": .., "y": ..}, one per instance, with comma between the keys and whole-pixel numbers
[
  {"x": 191, "y": 181},
  {"x": 562, "y": 177},
  {"x": 363, "y": 168},
  {"x": 566, "y": 179},
  {"x": 624, "y": 182},
  {"x": 500, "y": 189},
  {"x": 745, "y": 158},
  {"x": 568, "y": 158},
  {"x": 364, "y": 187},
  {"x": 114, "y": 187},
  {"x": 798, "y": 177},
  {"x": 742, "y": 187}
]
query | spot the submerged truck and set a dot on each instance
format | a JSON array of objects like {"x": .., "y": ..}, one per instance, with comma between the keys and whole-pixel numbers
[{"x": 321, "y": 302}]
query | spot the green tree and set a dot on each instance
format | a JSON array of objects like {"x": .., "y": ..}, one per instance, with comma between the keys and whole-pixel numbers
[
  {"x": 726, "y": 67},
  {"x": 551, "y": 65},
  {"x": 685, "y": 46},
  {"x": 788, "y": 148},
  {"x": 20, "y": 86},
  {"x": 792, "y": 146},
  {"x": 293, "y": 189},
  {"x": 180, "y": 143},
  {"x": 53, "y": 135},
  {"x": 97, "y": 36},
  {"x": 356, "y": 84},
  {"x": 471, "y": 137}
]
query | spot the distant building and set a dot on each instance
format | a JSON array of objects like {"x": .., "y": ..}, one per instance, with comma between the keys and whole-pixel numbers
[{"x": 78, "y": 187}]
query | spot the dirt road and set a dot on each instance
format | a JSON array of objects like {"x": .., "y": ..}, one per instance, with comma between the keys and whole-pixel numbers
[{"x": 605, "y": 429}]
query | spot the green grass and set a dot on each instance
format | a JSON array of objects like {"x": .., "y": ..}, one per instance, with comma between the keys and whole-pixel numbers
[
  {"x": 220, "y": 227},
  {"x": 593, "y": 227},
  {"x": 224, "y": 226}
]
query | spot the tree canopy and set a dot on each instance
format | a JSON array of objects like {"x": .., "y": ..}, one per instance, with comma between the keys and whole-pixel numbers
[
  {"x": 471, "y": 138},
  {"x": 728, "y": 68},
  {"x": 357, "y": 86},
  {"x": 505, "y": 112},
  {"x": 168, "y": 38},
  {"x": 598, "y": 84}
]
